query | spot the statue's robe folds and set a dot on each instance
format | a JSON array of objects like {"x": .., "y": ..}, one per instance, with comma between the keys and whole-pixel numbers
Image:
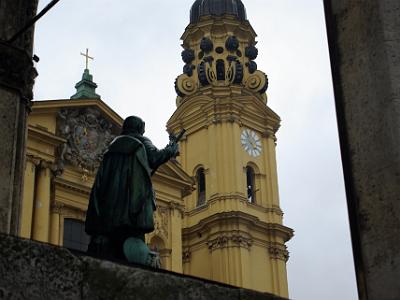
[{"x": 122, "y": 200}]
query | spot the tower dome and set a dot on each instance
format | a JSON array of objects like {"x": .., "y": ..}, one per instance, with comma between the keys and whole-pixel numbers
[{"x": 217, "y": 8}]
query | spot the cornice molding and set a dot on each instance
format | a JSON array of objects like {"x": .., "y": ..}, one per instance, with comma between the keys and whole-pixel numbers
[
  {"x": 185, "y": 186},
  {"x": 274, "y": 229},
  {"x": 67, "y": 211},
  {"x": 44, "y": 136},
  {"x": 240, "y": 197},
  {"x": 208, "y": 24},
  {"x": 202, "y": 111},
  {"x": 56, "y": 105},
  {"x": 82, "y": 189}
]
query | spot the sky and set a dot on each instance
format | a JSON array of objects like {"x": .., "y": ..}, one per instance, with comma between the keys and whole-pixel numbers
[{"x": 136, "y": 48}]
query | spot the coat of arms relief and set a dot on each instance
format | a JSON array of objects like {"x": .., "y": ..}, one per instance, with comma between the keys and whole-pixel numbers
[{"x": 87, "y": 133}]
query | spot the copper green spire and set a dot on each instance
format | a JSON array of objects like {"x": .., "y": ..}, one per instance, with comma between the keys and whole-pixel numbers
[{"x": 86, "y": 88}]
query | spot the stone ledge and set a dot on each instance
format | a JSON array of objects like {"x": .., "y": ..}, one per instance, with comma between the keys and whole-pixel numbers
[{"x": 32, "y": 270}]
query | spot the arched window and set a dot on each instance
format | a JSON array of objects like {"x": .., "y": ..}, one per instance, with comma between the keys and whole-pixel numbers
[
  {"x": 251, "y": 187},
  {"x": 220, "y": 69},
  {"x": 75, "y": 236},
  {"x": 201, "y": 187}
]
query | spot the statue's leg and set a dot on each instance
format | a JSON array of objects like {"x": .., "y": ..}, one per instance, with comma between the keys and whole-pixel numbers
[{"x": 100, "y": 246}]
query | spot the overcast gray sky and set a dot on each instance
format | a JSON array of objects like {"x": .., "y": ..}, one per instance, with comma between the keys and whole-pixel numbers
[{"x": 136, "y": 45}]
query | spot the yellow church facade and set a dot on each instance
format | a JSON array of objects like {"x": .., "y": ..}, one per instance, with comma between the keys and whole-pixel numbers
[{"x": 218, "y": 214}]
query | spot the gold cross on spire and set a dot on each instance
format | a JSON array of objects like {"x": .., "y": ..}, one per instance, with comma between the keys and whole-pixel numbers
[{"x": 87, "y": 57}]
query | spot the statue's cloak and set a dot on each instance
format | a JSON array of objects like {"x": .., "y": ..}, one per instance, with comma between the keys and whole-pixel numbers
[{"x": 122, "y": 197}]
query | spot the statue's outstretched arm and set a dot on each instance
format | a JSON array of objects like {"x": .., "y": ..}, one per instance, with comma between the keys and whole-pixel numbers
[{"x": 158, "y": 157}]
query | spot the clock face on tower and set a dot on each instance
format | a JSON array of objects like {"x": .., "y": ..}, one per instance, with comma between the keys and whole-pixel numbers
[{"x": 251, "y": 142}]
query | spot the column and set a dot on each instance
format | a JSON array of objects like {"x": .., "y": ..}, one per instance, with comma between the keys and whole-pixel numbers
[
  {"x": 16, "y": 82},
  {"x": 41, "y": 217},
  {"x": 364, "y": 43},
  {"x": 28, "y": 198},
  {"x": 55, "y": 217}
]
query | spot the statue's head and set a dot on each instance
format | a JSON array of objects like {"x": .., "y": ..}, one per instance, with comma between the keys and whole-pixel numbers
[{"x": 133, "y": 125}]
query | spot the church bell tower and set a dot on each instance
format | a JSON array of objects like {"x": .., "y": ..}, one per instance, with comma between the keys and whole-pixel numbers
[{"x": 232, "y": 226}]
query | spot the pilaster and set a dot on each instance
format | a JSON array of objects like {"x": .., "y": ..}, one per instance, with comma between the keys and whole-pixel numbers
[
  {"x": 272, "y": 167},
  {"x": 176, "y": 237},
  {"x": 55, "y": 221},
  {"x": 28, "y": 198},
  {"x": 41, "y": 219}
]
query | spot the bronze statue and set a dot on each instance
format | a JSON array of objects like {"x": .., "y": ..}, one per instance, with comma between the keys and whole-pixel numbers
[{"x": 122, "y": 199}]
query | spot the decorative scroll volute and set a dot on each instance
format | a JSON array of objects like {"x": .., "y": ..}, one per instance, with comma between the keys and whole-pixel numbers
[
  {"x": 257, "y": 82},
  {"x": 186, "y": 85}
]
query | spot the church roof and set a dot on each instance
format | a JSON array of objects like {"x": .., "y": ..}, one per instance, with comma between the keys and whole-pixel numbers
[{"x": 217, "y": 8}]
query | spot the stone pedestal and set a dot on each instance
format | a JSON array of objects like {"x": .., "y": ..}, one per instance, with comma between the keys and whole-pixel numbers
[
  {"x": 364, "y": 40},
  {"x": 16, "y": 83}
]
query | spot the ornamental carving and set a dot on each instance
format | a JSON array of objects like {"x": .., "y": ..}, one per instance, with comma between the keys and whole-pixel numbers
[
  {"x": 251, "y": 52},
  {"x": 35, "y": 160},
  {"x": 206, "y": 45},
  {"x": 232, "y": 43},
  {"x": 57, "y": 207},
  {"x": 188, "y": 70},
  {"x": 188, "y": 56},
  {"x": 241, "y": 241},
  {"x": 212, "y": 68},
  {"x": 278, "y": 251},
  {"x": 185, "y": 85},
  {"x": 257, "y": 82},
  {"x": 252, "y": 66},
  {"x": 218, "y": 243},
  {"x": 88, "y": 135},
  {"x": 172, "y": 206},
  {"x": 41, "y": 164},
  {"x": 161, "y": 222},
  {"x": 226, "y": 241},
  {"x": 186, "y": 255}
]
